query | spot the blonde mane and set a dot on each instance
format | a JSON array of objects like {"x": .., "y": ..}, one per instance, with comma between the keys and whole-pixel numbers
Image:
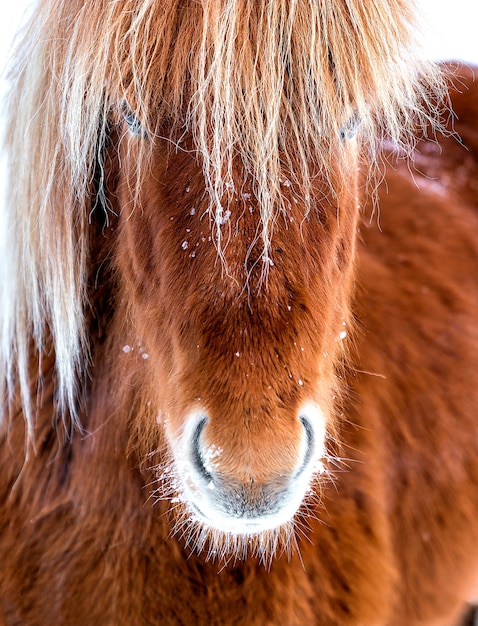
[{"x": 275, "y": 84}]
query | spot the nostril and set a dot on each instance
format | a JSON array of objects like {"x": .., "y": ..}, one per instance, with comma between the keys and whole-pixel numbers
[
  {"x": 309, "y": 442},
  {"x": 197, "y": 454}
]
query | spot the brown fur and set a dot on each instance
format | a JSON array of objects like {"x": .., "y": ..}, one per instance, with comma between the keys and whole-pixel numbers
[{"x": 390, "y": 535}]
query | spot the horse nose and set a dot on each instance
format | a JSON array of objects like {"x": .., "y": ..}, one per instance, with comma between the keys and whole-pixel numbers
[
  {"x": 206, "y": 459},
  {"x": 200, "y": 456},
  {"x": 309, "y": 444},
  {"x": 241, "y": 487}
]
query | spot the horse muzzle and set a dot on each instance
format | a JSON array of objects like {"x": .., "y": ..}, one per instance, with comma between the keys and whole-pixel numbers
[{"x": 220, "y": 499}]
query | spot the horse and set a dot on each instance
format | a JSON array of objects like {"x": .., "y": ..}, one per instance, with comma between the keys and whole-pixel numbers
[{"x": 239, "y": 318}]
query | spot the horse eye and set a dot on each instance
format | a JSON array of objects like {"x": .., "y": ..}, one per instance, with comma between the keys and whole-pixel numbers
[
  {"x": 350, "y": 128},
  {"x": 134, "y": 125}
]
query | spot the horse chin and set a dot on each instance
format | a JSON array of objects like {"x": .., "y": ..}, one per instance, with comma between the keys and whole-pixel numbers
[
  {"x": 236, "y": 525},
  {"x": 217, "y": 519},
  {"x": 218, "y": 536}
]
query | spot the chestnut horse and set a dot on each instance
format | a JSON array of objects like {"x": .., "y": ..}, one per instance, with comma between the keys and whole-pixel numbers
[{"x": 239, "y": 368}]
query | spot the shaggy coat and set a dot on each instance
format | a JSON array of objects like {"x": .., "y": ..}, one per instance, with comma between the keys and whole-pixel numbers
[{"x": 210, "y": 215}]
